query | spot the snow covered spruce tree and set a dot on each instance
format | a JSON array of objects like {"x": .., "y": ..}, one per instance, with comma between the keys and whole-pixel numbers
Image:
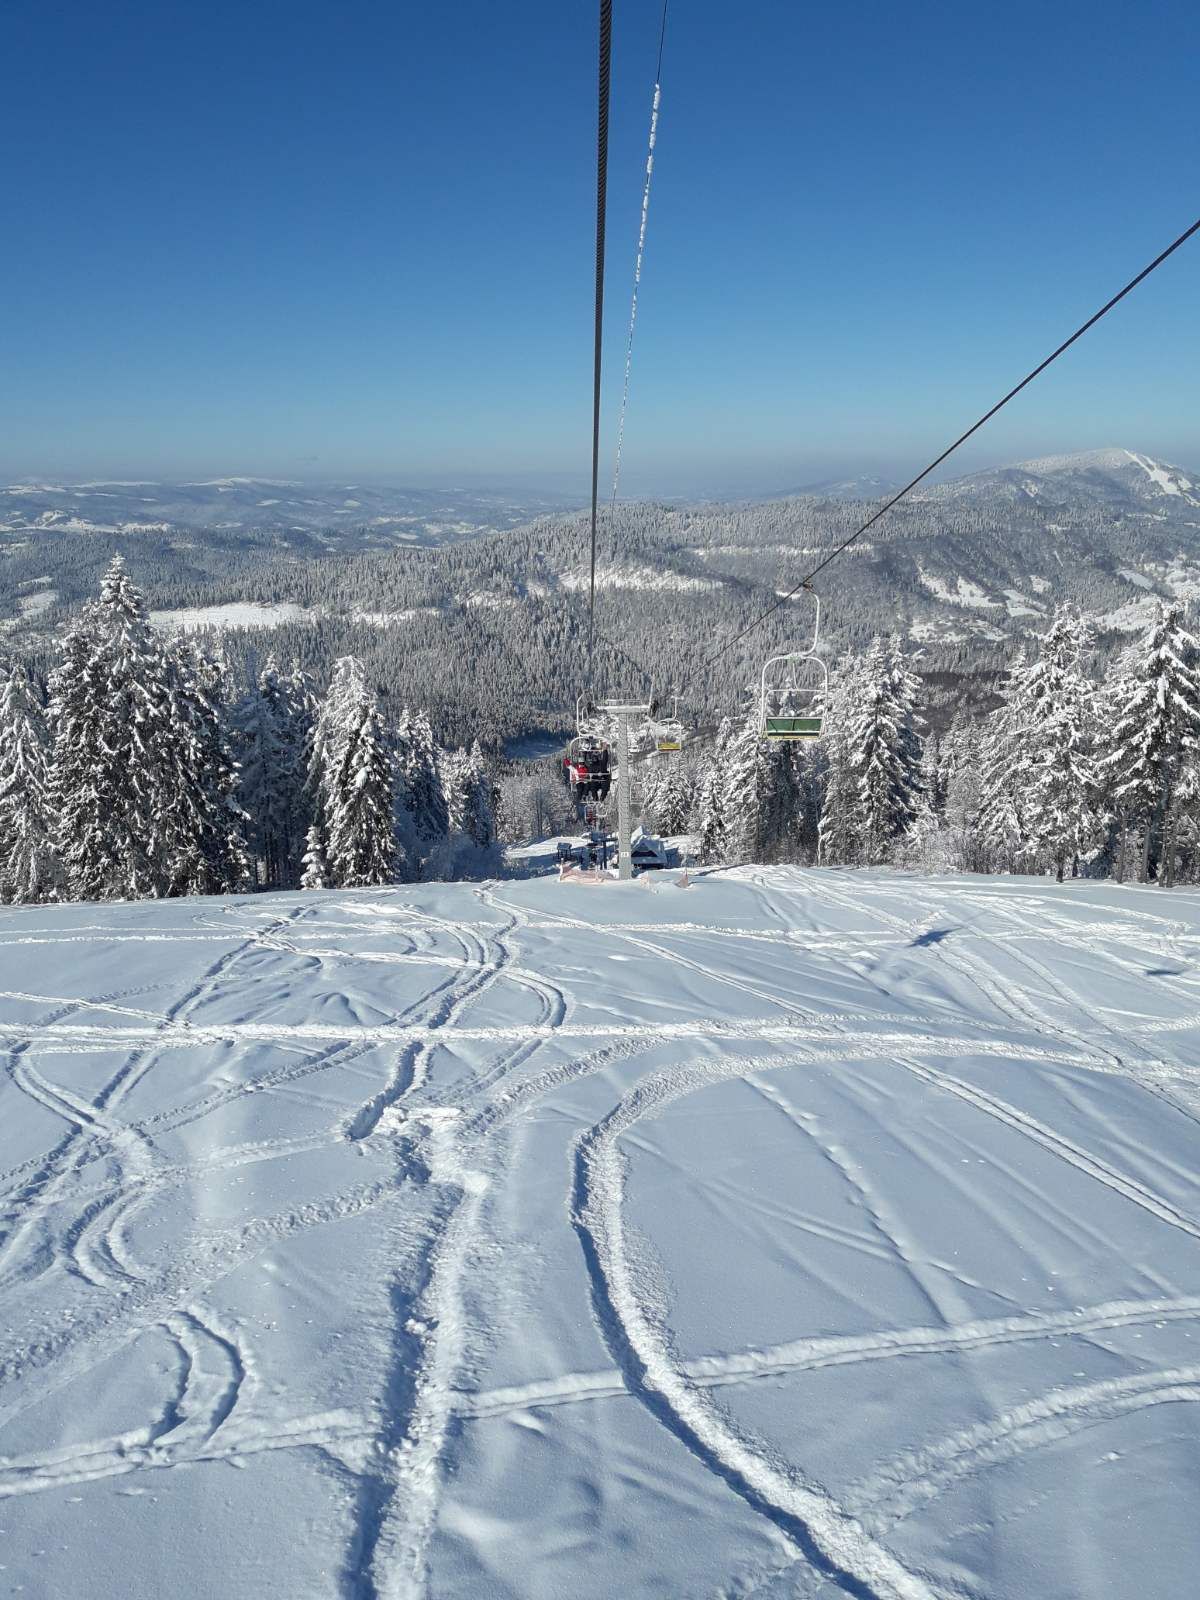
[
  {"x": 1155, "y": 744},
  {"x": 141, "y": 782},
  {"x": 471, "y": 808},
  {"x": 712, "y": 802},
  {"x": 839, "y": 827},
  {"x": 879, "y": 780},
  {"x": 1040, "y": 782},
  {"x": 314, "y": 868},
  {"x": 905, "y": 685},
  {"x": 295, "y": 712},
  {"x": 212, "y": 822},
  {"x": 423, "y": 817},
  {"x": 925, "y": 841},
  {"x": 271, "y": 723},
  {"x": 1062, "y": 817},
  {"x": 1000, "y": 808},
  {"x": 960, "y": 779},
  {"x": 352, "y": 839},
  {"x": 259, "y": 749},
  {"x": 761, "y": 797},
  {"x": 30, "y": 869},
  {"x": 668, "y": 795}
]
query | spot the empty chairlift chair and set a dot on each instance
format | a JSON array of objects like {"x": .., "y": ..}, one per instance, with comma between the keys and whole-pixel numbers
[
  {"x": 666, "y": 729},
  {"x": 795, "y": 689}
]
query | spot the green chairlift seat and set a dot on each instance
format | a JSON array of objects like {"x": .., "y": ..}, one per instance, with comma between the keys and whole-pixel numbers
[
  {"x": 792, "y": 728},
  {"x": 774, "y": 695}
]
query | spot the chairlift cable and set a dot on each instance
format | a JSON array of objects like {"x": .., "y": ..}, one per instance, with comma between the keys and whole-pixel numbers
[
  {"x": 804, "y": 582},
  {"x": 643, "y": 672},
  {"x": 655, "y": 105},
  {"x": 605, "y": 79}
]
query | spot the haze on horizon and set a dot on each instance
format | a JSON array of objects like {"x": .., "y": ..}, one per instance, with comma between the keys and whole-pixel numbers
[{"x": 301, "y": 244}]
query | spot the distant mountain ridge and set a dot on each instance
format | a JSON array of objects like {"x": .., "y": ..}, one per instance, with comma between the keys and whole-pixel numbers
[
  {"x": 364, "y": 515},
  {"x": 1115, "y": 479},
  {"x": 353, "y": 515},
  {"x": 963, "y": 571},
  {"x": 867, "y": 486}
]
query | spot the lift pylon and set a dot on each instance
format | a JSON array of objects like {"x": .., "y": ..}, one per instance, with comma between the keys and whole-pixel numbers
[{"x": 622, "y": 711}]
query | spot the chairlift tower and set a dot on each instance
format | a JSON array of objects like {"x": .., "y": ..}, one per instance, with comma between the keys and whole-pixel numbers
[{"x": 621, "y": 711}]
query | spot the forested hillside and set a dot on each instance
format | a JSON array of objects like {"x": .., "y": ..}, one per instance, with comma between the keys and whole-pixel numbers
[
  {"x": 143, "y": 766},
  {"x": 965, "y": 572}
]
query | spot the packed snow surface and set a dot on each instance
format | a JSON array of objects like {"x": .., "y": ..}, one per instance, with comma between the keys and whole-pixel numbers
[
  {"x": 965, "y": 592},
  {"x": 795, "y": 1233},
  {"x": 234, "y": 614}
]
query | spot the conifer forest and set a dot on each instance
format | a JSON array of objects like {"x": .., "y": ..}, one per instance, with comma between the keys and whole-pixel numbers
[{"x": 139, "y": 766}]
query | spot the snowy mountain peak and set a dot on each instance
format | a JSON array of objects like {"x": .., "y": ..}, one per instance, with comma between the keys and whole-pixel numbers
[
  {"x": 1110, "y": 460},
  {"x": 1116, "y": 478},
  {"x": 1159, "y": 476}
]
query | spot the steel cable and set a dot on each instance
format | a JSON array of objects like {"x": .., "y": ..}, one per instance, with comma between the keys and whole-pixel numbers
[
  {"x": 949, "y": 450},
  {"x": 605, "y": 80}
]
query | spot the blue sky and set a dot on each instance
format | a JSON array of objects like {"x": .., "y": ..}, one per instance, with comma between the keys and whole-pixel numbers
[{"x": 314, "y": 240}]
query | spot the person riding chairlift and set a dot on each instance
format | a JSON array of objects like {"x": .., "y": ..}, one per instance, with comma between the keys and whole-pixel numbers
[{"x": 588, "y": 772}]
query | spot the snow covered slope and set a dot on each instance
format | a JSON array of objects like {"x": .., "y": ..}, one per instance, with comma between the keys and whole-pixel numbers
[
  {"x": 800, "y": 1233},
  {"x": 1115, "y": 480}
]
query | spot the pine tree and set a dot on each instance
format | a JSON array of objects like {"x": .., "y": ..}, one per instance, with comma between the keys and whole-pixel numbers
[
  {"x": 761, "y": 799},
  {"x": 712, "y": 816},
  {"x": 479, "y": 805},
  {"x": 884, "y": 755},
  {"x": 670, "y": 796},
  {"x": 267, "y": 768},
  {"x": 454, "y": 786},
  {"x": 1117, "y": 691},
  {"x": 295, "y": 711},
  {"x": 352, "y": 842},
  {"x": 1039, "y": 805},
  {"x": 1061, "y": 818},
  {"x": 211, "y": 820},
  {"x": 316, "y": 869},
  {"x": 122, "y": 766},
  {"x": 1000, "y": 816},
  {"x": 30, "y": 869},
  {"x": 807, "y": 767},
  {"x": 471, "y": 797},
  {"x": 961, "y": 778},
  {"x": 925, "y": 838},
  {"x": 647, "y": 775},
  {"x": 422, "y": 814},
  {"x": 905, "y": 686},
  {"x": 1156, "y": 739},
  {"x": 840, "y": 828}
]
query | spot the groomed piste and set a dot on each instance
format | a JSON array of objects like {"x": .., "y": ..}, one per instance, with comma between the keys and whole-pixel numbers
[{"x": 801, "y": 1232}]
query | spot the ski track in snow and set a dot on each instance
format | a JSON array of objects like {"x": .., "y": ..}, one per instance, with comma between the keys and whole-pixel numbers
[
  {"x": 809, "y": 1355},
  {"x": 653, "y": 1373},
  {"x": 434, "y": 1126}
]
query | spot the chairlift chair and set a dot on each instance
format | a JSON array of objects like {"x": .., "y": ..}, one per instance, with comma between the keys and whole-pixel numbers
[
  {"x": 808, "y": 721},
  {"x": 588, "y": 761},
  {"x": 590, "y": 722},
  {"x": 666, "y": 731},
  {"x": 588, "y": 768}
]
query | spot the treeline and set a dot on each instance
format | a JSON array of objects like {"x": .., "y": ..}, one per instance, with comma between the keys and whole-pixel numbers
[
  {"x": 138, "y": 772},
  {"x": 143, "y": 766},
  {"x": 672, "y": 580},
  {"x": 1080, "y": 770}
]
